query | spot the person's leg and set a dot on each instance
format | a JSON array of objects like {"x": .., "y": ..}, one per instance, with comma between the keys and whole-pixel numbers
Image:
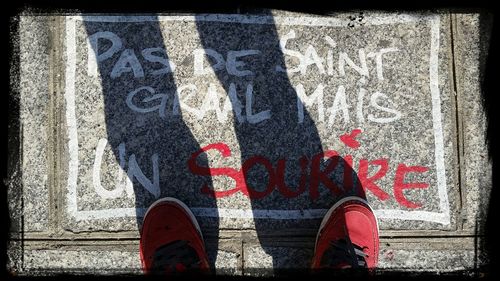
[
  {"x": 171, "y": 240},
  {"x": 347, "y": 237}
]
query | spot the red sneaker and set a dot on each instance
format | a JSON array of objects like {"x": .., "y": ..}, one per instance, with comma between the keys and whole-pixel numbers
[
  {"x": 171, "y": 239},
  {"x": 347, "y": 237}
]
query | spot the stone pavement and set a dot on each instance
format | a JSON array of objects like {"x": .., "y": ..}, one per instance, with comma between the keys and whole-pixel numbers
[{"x": 259, "y": 123}]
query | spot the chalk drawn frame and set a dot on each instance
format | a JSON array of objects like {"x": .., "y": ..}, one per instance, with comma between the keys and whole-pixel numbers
[{"x": 442, "y": 217}]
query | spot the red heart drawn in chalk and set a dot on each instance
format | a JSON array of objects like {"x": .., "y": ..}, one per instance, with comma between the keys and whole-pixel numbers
[{"x": 350, "y": 139}]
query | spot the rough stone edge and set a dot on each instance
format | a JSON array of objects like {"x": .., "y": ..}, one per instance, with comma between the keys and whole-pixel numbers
[
  {"x": 14, "y": 172},
  {"x": 12, "y": 182},
  {"x": 472, "y": 33},
  {"x": 14, "y": 262},
  {"x": 407, "y": 256},
  {"x": 35, "y": 135},
  {"x": 42, "y": 258},
  {"x": 471, "y": 40},
  {"x": 448, "y": 112}
]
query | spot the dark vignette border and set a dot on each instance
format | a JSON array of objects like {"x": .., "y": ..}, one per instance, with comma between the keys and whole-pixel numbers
[{"x": 11, "y": 121}]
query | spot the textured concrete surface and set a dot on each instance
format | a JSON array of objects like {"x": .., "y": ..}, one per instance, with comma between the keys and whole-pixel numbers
[
  {"x": 404, "y": 255},
  {"x": 83, "y": 262},
  {"x": 14, "y": 263},
  {"x": 107, "y": 258},
  {"x": 272, "y": 260},
  {"x": 471, "y": 53},
  {"x": 34, "y": 111},
  {"x": 110, "y": 127}
]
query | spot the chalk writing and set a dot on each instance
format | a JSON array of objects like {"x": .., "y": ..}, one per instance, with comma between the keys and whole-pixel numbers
[
  {"x": 276, "y": 173},
  {"x": 317, "y": 175},
  {"x": 128, "y": 63},
  {"x": 134, "y": 171}
]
